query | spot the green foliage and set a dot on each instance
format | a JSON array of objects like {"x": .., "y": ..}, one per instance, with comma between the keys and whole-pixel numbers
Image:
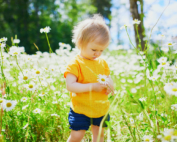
[{"x": 26, "y": 18}]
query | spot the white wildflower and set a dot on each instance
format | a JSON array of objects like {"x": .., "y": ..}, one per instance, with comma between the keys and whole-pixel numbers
[
  {"x": 136, "y": 21},
  {"x": 16, "y": 41},
  {"x": 143, "y": 99},
  {"x": 124, "y": 27},
  {"x": 37, "y": 110},
  {"x": 103, "y": 79},
  {"x": 4, "y": 39},
  {"x": 24, "y": 99},
  {"x": 8, "y": 105},
  {"x": 148, "y": 138},
  {"x": 45, "y": 30},
  {"x": 171, "y": 88},
  {"x": 133, "y": 90}
]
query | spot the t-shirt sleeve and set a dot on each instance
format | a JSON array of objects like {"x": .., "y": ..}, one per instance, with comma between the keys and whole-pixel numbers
[
  {"x": 72, "y": 67},
  {"x": 107, "y": 70}
]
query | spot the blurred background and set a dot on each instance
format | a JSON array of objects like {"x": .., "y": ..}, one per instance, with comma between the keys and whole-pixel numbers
[{"x": 25, "y": 18}]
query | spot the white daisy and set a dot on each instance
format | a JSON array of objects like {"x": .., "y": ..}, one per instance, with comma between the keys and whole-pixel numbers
[
  {"x": 133, "y": 90},
  {"x": 148, "y": 138},
  {"x": 37, "y": 71},
  {"x": 161, "y": 36},
  {"x": 16, "y": 41},
  {"x": 136, "y": 21},
  {"x": 37, "y": 110},
  {"x": 24, "y": 99},
  {"x": 41, "y": 94},
  {"x": 165, "y": 49},
  {"x": 45, "y": 30},
  {"x": 131, "y": 120},
  {"x": 4, "y": 39},
  {"x": 154, "y": 77},
  {"x": 124, "y": 26},
  {"x": 9, "y": 105},
  {"x": 23, "y": 77},
  {"x": 171, "y": 88},
  {"x": 170, "y": 44},
  {"x": 14, "y": 50},
  {"x": 102, "y": 79},
  {"x": 31, "y": 86},
  {"x": 143, "y": 99},
  {"x": 162, "y": 59}
]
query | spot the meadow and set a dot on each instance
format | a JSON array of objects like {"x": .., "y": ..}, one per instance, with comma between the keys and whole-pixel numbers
[{"x": 35, "y": 104}]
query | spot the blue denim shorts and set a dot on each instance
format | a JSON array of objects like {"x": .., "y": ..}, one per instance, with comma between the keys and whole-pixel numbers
[{"x": 82, "y": 122}]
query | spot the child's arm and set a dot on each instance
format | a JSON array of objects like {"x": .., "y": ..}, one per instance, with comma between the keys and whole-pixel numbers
[{"x": 73, "y": 86}]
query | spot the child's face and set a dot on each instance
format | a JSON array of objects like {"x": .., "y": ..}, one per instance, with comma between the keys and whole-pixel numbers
[{"x": 93, "y": 50}]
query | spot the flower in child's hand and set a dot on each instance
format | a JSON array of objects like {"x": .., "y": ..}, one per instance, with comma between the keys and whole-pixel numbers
[
  {"x": 103, "y": 79},
  {"x": 45, "y": 30}
]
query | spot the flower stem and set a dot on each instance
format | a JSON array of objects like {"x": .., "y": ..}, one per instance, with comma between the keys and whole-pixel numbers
[
  {"x": 50, "y": 49},
  {"x": 18, "y": 64}
]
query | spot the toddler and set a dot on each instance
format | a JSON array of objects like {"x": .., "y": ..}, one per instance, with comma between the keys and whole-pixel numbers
[{"x": 89, "y": 98}]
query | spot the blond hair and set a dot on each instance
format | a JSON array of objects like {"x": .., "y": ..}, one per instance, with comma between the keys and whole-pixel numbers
[{"x": 89, "y": 30}]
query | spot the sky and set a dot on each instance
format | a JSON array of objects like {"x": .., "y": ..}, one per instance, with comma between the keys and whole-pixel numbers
[{"x": 167, "y": 25}]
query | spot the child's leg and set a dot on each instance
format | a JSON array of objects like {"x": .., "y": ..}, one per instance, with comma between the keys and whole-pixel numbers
[
  {"x": 76, "y": 136},
  {"x": 95, "y": 132}
]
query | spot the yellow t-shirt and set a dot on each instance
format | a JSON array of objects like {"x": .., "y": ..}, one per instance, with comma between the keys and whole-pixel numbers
[{"x": 92, "y": 104}]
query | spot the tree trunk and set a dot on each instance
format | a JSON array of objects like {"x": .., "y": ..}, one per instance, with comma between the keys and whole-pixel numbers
[{"x": 141, "y": 31}]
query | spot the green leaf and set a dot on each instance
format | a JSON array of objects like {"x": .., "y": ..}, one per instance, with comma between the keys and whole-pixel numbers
[
  {"x": 141, "y": 104},
  {"x": 130, "y": 94}
]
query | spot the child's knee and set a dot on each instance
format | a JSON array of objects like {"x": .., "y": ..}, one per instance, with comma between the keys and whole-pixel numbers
[{"x": 77, "y": 136}]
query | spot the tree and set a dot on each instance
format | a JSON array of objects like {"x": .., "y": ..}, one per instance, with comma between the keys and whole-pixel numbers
[
  {"x": 103, "y": 7},
  {"x": 24, "y": 18},
  {"x": 137, "y": 15}
]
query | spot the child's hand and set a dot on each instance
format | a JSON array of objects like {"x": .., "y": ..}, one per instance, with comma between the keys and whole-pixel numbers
[
  {"x": 110, "y": 87},
  {"x": 98, "y": 87}
]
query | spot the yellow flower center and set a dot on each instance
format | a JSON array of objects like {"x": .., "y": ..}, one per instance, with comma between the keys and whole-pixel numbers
[
  {"x": 167, "y": 137},
  {"x": 37, "y": 72},
  {"x": 174, "y": 89},
  {"x": 30, "y": 86},
  {"x": 25, "y": 78},
  {"x": 62, "y": 43},
  {"x": 146, "y": 140},
  {"x": 103, "y": 79},
  {"x": 1, "y": 101},
  {"x": 169, "y": 43},
  {"x": 153, "y": 78},
  {"x": 15, "y": 53},
  {"x": 163, "y": 63},
  {"x": 8, "y": 104}
]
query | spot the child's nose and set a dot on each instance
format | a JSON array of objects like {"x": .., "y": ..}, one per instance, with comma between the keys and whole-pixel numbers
[{"x": 97, "y": 53}]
